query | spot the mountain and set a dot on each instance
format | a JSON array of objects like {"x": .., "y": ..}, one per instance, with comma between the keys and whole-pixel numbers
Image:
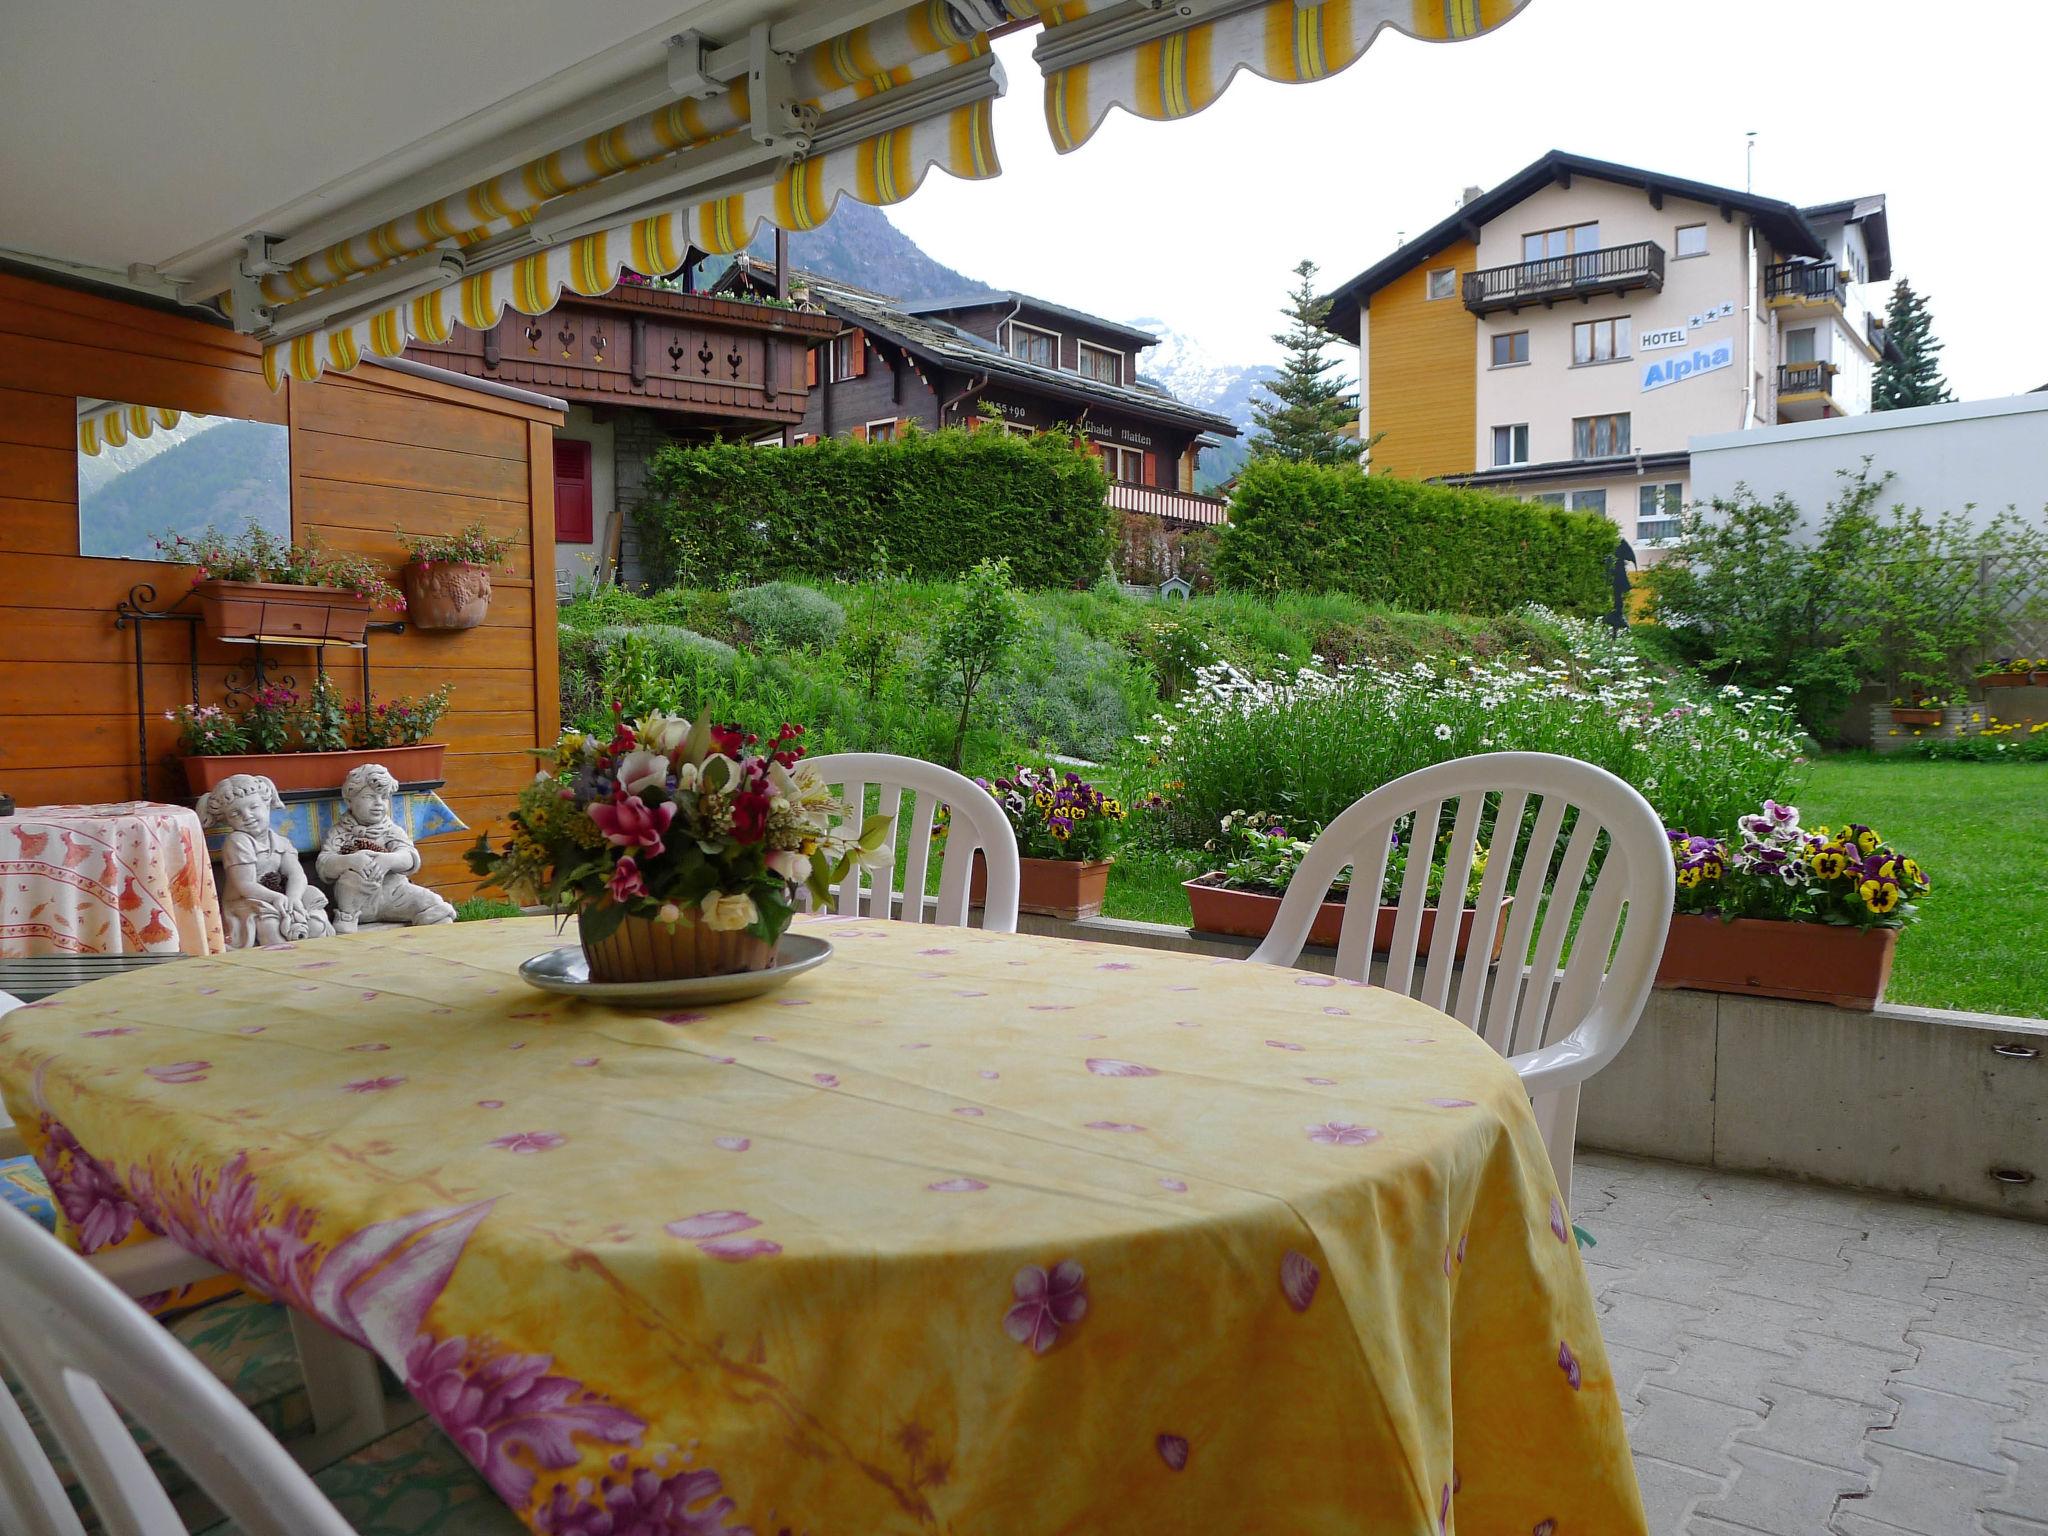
[
  {"x": 1195, "y": 374},
  {"x": 859, "y": 245}
]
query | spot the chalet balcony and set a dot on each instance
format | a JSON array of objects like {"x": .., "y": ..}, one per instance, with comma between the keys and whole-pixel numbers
[
  {"x": 1804, "y": 285},
  {"x": 1617, "y": 269},
  {"x": 1172, "y": 506},
  {"x": 1806, "y": 391}
]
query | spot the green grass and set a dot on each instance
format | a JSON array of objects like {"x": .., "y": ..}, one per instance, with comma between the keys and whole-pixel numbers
[
  {"x": 1979, "y": 830},
  {"x": 479, "y": 909}
]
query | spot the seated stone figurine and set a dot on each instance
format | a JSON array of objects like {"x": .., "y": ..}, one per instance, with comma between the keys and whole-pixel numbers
[
  {"x": 367, "y": 857},
  {"x": 265, "y": 897}
]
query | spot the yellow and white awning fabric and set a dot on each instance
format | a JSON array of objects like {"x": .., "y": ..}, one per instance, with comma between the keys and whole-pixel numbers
[
  {"x": 885, "y": 55},
  {"x": 1178, "y": 72},
  {"x": 110, "y": 423}
]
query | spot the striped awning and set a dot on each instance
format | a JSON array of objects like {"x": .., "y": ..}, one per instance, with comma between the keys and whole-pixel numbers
[
  {"x": 1150, "y": 66},
  {"x": 111, "y": 423}
]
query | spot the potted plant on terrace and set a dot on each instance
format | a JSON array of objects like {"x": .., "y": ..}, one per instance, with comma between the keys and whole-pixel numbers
[
  {"x": 311, "y": 743},
  {"x": 1243, "y": 897},
  {"x": 1777, "y": 911},
  {"x": 447, "y": 576},
  {"x": 679, "y": 848},
  {"x": 1066, "y": 830},
  {"x": 254, "y": 586},
  {"x": 2013, "y": 672}
]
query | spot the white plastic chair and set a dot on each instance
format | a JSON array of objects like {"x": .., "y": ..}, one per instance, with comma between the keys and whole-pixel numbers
[
  {"x": 976, "y": 823},
  {"x": 1556, "y": 1029},
  {"x": 71, "y": 1340}
]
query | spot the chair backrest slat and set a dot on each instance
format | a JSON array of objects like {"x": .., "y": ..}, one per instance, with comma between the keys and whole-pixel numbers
[
  {"x": 1528, "y": 906},
  {"x": 71, "y": 1340},
  {"x": 1436, "y": 976},
  {"x": 1526, "y": 1033},
  {"x": 1362, "y": 902},
  {"x": 1486, "y": 916},
  {"x": 975, "y": 824},
  {"x": 1414, "y": 893}
]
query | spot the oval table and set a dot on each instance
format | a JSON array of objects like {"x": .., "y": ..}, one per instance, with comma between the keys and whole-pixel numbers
[
  {"x": 132, "y": 878},
  {"x": 961, "y": 1232}
]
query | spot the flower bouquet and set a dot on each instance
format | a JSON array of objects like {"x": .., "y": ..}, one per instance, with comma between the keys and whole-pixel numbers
[
  {"x": 1066, "y": 832},
  {"x": 680, "y": 848},
  {"x": 1780, "y": 911}
]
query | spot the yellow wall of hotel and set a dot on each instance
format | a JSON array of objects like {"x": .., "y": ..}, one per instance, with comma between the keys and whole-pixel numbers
[{"x": 1423, "y": 387}]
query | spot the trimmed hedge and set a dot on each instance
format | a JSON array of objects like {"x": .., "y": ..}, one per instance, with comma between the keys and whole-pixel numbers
[
  {"x": 1308, "y": 528},
  {"x": 930, "y": 504}
]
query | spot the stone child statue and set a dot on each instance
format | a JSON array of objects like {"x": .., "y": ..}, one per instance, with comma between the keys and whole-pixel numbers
[
  {"x": 367, "y": 857},
  {"x": 265, "y": 897}
]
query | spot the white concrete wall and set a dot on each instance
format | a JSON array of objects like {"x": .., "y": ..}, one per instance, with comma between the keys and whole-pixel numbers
[
  {"x": 575, "y": 562},
  {"x": 1990, "y": 453}
]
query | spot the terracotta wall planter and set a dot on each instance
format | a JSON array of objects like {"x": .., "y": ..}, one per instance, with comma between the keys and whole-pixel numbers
[
  {"x": 2007, "y": 679},
  {"x": 317, "y": 770},
  {"x": 1250, "y": 914},
  {"x": 273, "y": 610},
  {"x": 446, "y": 594},
  {"x": 1806, "y": 962},
  {"x": 641, "y": 949},
  {"x": 1906, "y": 715},
  {"x": 1051, "y": 887}
]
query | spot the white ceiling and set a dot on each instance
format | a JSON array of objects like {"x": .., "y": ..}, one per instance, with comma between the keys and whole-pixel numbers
[{"x": 162, "y": 131}]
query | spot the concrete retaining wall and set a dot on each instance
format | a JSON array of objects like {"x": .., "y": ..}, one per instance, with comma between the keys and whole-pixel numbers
[{"x": 1912, "y": 1101}]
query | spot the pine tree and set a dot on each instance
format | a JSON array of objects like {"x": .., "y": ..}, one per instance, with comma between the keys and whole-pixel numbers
[
  {"x": 1915, "y": 379},
  {"x": 1310, "y": 407}
]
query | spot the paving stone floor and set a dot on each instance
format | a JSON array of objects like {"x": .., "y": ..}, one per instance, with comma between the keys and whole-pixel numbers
[{"x": 1799, "y": 1360}]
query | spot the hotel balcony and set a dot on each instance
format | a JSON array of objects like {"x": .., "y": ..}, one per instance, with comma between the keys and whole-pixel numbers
[
  {"x": 1805, "y": 285},
  {"x": 1173, "y": 506},
  {"x": 1617, "y": 269},
  {"x": 1806, "y": 392}
]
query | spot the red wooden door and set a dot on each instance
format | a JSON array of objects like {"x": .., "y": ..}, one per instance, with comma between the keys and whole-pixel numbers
[{"x": 572, "y": 492}]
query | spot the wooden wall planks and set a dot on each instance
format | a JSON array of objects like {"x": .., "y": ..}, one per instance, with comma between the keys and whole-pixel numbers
[{"x": 372, "y": 453}]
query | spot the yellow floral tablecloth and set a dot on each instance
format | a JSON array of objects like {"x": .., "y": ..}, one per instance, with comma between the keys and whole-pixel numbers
[{"x": 961, "y": 1232}]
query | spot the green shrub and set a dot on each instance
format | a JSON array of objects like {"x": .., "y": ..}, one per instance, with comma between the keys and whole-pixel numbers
[
  {"x": 1309, "y": 528},
  {"x": 928, "y": 504},
  {"x": 783, "y": 616}
]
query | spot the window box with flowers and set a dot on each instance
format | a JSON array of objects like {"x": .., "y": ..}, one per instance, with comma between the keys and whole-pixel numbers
[
  {"x": 311, "y": 743},
  {"x": 1066, "y": 832},
  {"x": 447, "y": 577},
  {"x": 2014, "y": 672},
  {"x": 1243, "y": 897},
  {"x": 1778, "y": 911},
  {"x": 251, "y": 586}
]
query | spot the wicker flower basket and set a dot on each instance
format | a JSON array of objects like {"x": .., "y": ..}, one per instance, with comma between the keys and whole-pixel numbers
[{"x": 642, "y": 949}]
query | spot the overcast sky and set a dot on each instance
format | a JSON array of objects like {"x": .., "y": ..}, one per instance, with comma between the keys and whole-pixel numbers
[{"x": 1939, "y": 107}]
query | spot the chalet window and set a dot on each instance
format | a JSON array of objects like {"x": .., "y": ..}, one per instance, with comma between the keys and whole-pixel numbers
[
  {"x": 1101, "y": 364},
  {"x": 1511, "y": 444},
  {"x": 1799, "y": 345},
  {"x": 573, "y": 522},
  {"x": 849, "y": 356},
  {"x": 1120, "y": 463},
  {"x": 1510, "y": 348},
  {"x": 1031, "y": 345},
  {"x": 1601, "y": 341},
  {"x": 1690, "y": 240},
  {"x": 1599, "y": 437},
  {"x": 1549, "y": 244},
  {"x": 1549, "y": 498},
  {"x": 1657, "y": 512},
  {"x": 884, "y": 431},
  {"x": 1590, "y": 501},
  {"x": 1443, "y": 283}
]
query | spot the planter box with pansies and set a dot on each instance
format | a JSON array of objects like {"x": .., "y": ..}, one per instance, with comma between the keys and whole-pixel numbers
[
  {"x": 1051, "y": 887},
  {"x": 1218, "y": 908},
  {"x": 1806, "y": 962}
]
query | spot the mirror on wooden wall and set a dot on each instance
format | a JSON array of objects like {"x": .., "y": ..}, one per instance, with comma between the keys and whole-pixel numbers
[{"x": 148, "y": 471}]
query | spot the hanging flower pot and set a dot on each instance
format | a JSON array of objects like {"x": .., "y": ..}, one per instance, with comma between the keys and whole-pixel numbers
[
  {"x": 275, "y": 610},
  {"x": 445, "y": 594}
]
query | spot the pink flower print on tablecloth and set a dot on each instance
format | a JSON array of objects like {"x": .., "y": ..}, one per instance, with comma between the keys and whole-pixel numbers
[
  {"x": 640, "y": 1499},
  {"x": 85, "y": 1189},
  {"x": 1046, "y": 1301},
  {"x": 1452, "y": 1103},
  {"x": 1558, "y": 1229},
  {"x": 250, "y": 1029},
  {"x": 180, "y": 1072},
  {"x": 960, "y": 1186},
  {"x": 1315, "y": 981},
  {"x": 372, "y": 1084},
  {"x": 490, "y": 1103},
  {"x": 1116, "y": 965},
  {"x": 1340, "y": 1133},
  {"x": 584, "y": 1061},
  {"x": 1173, "y": 1450},
  {"x": 1321, "y": 1082},
  {"x": 529, "y": 1141},
  {"x": 1299, "y": 1276},
  {"x": 111, "y": 1033},
  {"x": 732, "y": 1143},
  {"x": 709, "y": 1224},
  {"x": 371, "y": 1045},
  {"x": 970, "y": 1111},
  {"x": 1285, "y": 1045},
  {"x": 989, "y": 1074},
  {"x": 825, "y": 1079},
  {"x": 736, "y": 1250},
  {"x": 1568, "y": 1363},
  {"x": 1109, "y": 1066},
  {"x": 1123, "y": 1126},
  {"x": 683, "y": 1018},
  {"x": 1174, "y": 1186}
]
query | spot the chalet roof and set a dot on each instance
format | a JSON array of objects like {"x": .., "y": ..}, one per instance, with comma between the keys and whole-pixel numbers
[
  {"x": 953, "y": 303},
  {"x": 949, "y": 346},
  {"x": 1869, "y": 212},
  {"x": 1784, "y": 224}
]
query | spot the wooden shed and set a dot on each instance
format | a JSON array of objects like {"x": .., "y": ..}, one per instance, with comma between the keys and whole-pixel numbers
[{"x": 371, "y": 452}]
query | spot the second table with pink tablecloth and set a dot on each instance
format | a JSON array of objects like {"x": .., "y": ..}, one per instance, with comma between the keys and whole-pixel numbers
[{"x": 127, "y": 878}]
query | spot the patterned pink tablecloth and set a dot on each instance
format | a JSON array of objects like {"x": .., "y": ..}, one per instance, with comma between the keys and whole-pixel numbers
[{"x": 120, "y": 879}]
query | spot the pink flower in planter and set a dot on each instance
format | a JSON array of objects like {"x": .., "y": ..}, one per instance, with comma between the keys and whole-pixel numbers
[
  {"x": 180, "y": 1072},
  {"x": 1046, "y": 1301},
  {"x": 1339, "y": 1133},
  {"x": 529, "y": 1141}
]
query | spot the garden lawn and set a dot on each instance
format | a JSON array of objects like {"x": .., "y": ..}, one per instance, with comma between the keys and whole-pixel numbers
[{"x": 1979, "y": 830}]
